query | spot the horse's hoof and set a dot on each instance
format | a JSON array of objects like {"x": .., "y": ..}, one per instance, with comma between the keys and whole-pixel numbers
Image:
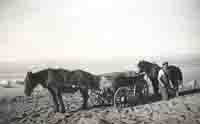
[
  {"x": 54, "y": 111},
  {"x": 84, "y": 107},
  {"x": 62, "y": 111}
]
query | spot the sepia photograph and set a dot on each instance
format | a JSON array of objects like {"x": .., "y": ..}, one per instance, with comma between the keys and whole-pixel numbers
[{"x": 99, "y": 62}]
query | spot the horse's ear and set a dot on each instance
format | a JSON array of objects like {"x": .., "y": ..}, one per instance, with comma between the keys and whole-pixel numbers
[
  {"x": 140, "y": 61},
  {"x": 29, "y": 73}
]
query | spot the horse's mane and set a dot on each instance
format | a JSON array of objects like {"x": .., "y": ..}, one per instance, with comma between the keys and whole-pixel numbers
[
  {"x": 40, "y": 74},
  {"x": 64, "y": 72},
  {"x": 148, "y": 66},
  {"x": 149, "y": 63}
]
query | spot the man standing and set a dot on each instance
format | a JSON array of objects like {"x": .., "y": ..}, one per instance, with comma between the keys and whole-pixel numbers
[{"x": 163, "y": 81}]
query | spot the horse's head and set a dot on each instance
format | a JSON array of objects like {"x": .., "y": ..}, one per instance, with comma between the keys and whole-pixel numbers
[
  {"x": 141, "y": 66},
  {"x": 29, "y": 84}
]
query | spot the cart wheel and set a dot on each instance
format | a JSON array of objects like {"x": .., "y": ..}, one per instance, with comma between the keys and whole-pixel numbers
[{"x": 120, "y": 96}]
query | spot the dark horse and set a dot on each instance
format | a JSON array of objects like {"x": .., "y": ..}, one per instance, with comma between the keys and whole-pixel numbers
[
  {"x": 58, "y": 81},
  {"x": 174, "y": 74},
  {"x": 130, "y": 81},
  {"x": 122, "y": 83}
]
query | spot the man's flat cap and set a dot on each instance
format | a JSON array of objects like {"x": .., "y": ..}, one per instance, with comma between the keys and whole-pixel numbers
[{"x": 165, "y": 63}]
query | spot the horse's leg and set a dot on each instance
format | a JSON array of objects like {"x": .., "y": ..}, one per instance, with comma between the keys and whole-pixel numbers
[
  {"x": 85, "y": 96},
  {"x": 53, "y": 94},
  {"x": 61, "y": 102},
  {"x": 155, "y": 84},
  {"x": 176, "y": 86}
]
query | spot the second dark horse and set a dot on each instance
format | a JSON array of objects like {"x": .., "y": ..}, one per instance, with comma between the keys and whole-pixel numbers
[
  {"x": 174, "y": 74},
  {"x": 58, "y": 81}
]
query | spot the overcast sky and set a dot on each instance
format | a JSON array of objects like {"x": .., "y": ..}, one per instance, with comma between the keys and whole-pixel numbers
[{"x": 97, "y": 29}]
